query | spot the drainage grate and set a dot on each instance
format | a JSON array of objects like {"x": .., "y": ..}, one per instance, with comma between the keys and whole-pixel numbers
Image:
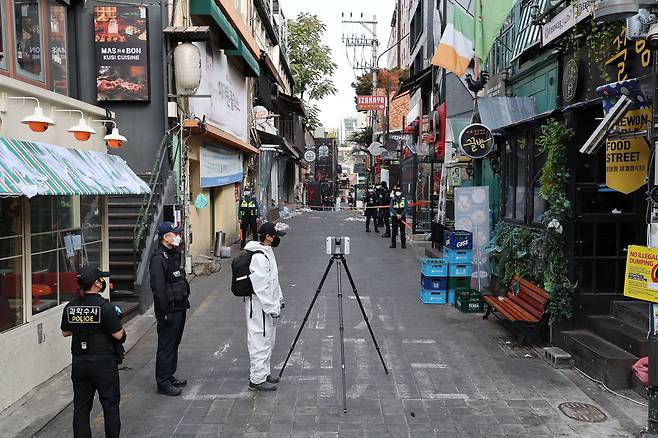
[{"x": 582, "y": 412}]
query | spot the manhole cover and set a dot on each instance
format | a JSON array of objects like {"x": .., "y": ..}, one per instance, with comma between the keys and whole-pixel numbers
[{"x": 582, "y": 412}]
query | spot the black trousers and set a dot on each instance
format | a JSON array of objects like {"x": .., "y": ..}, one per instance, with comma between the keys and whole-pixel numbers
[
  {"x": 371, "y": 213},
  {"x": 170, "y": 333},
  {"x": 395, "y": 225},
  {"x": 248, "y": 222},
  {"x": 383, "y": 215},
  {"x": 88, "y": 376}
]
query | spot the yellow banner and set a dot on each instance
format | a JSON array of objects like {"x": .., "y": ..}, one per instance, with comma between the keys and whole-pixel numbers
[
  {"x": 641, "y": 280},
  {"x": 626, "y": 160}
]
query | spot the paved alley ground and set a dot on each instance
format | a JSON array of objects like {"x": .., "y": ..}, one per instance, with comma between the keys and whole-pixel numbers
[{"x": 452, "y": 374}]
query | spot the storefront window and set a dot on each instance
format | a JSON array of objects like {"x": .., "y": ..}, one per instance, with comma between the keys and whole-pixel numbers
[
  {"x": 510, "y": 186},
  {"x": 66, "y": 233},
  {"x": 521, "y": 175},
  {"x": 12, "y": 297},
  {"x": 3, "y": 38},
  {"x": 27, "y": 32},
  {"x": 538, "y": 203},
  {"x": 57, "y": 58}
]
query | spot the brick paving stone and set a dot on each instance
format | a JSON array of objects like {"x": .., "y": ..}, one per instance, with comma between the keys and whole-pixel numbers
[{"x": 453, "y": 371}]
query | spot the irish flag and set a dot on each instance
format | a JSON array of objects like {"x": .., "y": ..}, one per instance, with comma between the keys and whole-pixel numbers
[{"x": 456, "y": 48}]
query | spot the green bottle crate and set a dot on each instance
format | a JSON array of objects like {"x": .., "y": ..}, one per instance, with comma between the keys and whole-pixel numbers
[
  {"x": 469, "y": 301},
  {"x": 459, "y": 282}
]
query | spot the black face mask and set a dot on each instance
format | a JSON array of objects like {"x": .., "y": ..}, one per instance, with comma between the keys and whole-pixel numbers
[{"x": 276, "y": 241}]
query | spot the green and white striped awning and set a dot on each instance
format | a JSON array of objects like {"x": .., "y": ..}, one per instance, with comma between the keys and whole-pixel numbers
[
  {"x": 30, "y": 169},
  {"x": 528, "y": 33}
]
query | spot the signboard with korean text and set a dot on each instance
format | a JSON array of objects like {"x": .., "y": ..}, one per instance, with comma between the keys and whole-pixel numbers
[
  {"x": 366, "y": 103},
  {"x": 227, "y": 87},
  {"x": 566, "y": 19},
  {"x": 121, "y": 40},
  {"x": 476, "y": 140},
  {"x": 641, "y": 279},
  {"x": 219, "y": 166},
  {"x": 626, "y": 159}
]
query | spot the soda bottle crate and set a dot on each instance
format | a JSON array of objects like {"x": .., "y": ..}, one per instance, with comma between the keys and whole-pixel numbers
[
  {"x": 468, "y": 301},
  {"x": 458, "y": 255},
  {"x": 460, "y": 270},
  {"x": 434, "y": 283},
  {"x": 458, "y": 239},
  {"x": 433, "y": 267},
  {"x": 436, "y": 296},
  {"x": 459, "y": 282}
]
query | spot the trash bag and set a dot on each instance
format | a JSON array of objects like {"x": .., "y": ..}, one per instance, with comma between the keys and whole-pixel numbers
[{"x": 641, "y": 370}]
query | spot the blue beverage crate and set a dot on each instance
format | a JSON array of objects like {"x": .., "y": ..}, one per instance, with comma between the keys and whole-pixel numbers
[
  {"x": 451, "y": 297},
  {"x": 434, "y": 283},
  {"x": 458, "y": 255},
  {"x": 433, "y": 296},
  {"x": 433, "y": 267},
  {"x": 460, "y": 270},
  {"x": 458, "y": 239}
]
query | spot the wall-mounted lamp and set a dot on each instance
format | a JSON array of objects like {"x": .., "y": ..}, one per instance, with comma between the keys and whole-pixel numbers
[
  {"x": 81, "y": 131},
  {"x": 534, "y": 10},
  {"x": 494, "y": 162},
  {"x": 37, "y": 121},
  {"x": 114, "y": 140}
]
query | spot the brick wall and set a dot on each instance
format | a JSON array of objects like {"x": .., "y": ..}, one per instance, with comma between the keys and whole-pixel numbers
[{"x": 398, "y": 110}]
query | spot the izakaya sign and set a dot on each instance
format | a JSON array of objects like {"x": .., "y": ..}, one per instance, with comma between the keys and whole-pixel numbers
[
  {"x": 626, "y": 159},
  {"x": 364, "y": 103},
  {"x": 121, "y": 53}
]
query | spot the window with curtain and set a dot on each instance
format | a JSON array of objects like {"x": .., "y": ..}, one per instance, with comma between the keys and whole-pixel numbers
[
  {"x": 57, "y": 50},
  {"x": 27, "y": 35}
]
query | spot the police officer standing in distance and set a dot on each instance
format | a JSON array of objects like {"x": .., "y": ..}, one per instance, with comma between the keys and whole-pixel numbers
[
  {"x": 371, "y": 201},
  {"x": 248, "y": 215},
  {"x": 97, "y": 349},
  {"x": 399, "y": 209},
  {"x": 384, "y": 212},
  {"x": 170, "y": 296}
]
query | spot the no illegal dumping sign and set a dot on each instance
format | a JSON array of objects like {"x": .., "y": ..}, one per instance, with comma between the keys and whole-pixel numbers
[
  {"x": 626, "y": 159},
  {"x": 641, "y": 280}
]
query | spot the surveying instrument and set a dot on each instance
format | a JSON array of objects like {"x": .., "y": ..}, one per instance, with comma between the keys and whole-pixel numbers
[{"x": 337, "y": 247}]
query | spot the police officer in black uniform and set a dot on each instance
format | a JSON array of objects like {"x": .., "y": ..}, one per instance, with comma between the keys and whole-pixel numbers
[
  {"x": 384, "y": 212},
  {"x": 248, "y": 216},
  {"x": 170, "y": 298},
  {"x": 399, "y": 209},
  {"x": 97, "y": 349},
  {"x": 371, "y": 201}
]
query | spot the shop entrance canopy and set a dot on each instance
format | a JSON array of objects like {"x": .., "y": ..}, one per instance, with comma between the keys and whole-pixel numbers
[{"x": 30, "y": 169}]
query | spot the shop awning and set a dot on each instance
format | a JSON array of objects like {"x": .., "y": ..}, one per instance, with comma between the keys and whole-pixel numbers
[
  {"x": 528, "y": 32},
  {"x": 267, "y": 138},
  {"x": 210, "y": 14},
  {"x": 414, "y": 82},
  {"x": 496, "y": 112},
  {"x": 252, "y": 69},
  {"x": 30, "y": 169},
  {"x": 294, "y": 103}
]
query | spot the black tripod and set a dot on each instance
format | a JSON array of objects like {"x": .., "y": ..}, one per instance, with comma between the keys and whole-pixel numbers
[{"x": 340, "y": 260}]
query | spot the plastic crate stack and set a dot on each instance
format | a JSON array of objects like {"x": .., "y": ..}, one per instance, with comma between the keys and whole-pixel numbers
[
  {"x": 458, "y": 253},
  {"x": 433, "y": 281}
]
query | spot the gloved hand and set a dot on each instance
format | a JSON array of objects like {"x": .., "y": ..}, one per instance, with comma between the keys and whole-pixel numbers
[
  {"x": 283, "y": 305},
  {"x": 119, "y": 312},
  {"x": 274, "y": 315}
]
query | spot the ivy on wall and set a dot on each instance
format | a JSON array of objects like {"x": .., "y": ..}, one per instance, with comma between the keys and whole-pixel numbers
[{"x": 541, "y": 255}]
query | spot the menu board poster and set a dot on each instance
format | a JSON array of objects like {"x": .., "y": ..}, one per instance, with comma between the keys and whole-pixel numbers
[{"x": 121, "y": 53}]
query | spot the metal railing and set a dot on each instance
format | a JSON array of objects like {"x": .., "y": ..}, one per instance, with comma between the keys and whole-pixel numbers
[{"x": 150, "y": 201}]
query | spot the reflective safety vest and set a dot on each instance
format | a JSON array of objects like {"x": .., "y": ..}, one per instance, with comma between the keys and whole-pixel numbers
[
  {"x": 248, "y": 207},
  {"x": 398, "y": 205}
]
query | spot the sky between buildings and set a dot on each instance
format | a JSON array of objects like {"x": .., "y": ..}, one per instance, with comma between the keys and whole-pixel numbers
[{"x": 335, "y": 108}]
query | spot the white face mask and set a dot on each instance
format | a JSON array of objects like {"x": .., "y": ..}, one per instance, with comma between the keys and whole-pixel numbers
[
  {"x": 398, "y": 193},
  {"x": 247, "y": 193},
  {"x": 176, "y": 240}
]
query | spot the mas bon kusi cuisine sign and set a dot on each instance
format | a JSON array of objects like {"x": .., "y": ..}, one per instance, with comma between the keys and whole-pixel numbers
[{"x": 121, "y": 41}]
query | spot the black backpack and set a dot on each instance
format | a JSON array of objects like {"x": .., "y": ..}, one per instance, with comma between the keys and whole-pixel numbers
[{"x": 241, "y": 283}]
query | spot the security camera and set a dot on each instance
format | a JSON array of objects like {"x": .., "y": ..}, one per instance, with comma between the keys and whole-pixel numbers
[
  {"x": 652, "y": 36},
  {"x": 613, "y": 10}
]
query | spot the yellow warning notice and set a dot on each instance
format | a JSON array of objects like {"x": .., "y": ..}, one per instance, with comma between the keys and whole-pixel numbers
[
  {"x": 641, "y": 279},
  {"x": 626, "y": 160}
]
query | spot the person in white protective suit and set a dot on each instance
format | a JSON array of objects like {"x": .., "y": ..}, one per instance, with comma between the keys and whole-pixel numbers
[{"x": 263, "y": 308}]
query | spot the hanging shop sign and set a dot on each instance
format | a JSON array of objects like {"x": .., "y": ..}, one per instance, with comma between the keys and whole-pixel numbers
[
  {"x": 227, "y": 87},
  {"x": 627, "y": 159},
  {"x": 374, "y": 103},
  {"x": 310, "y": 156},
  {"x": 476, "y": 140},
  {"x": 573, "y": 14},
  {"x": 219, "y": 166},
  {"x": 570, "y": 80},
  {"x": 121, "y": 40},
  {"x": 641, "y": 279}
]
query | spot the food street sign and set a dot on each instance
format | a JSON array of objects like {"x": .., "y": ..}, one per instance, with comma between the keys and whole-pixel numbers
[
  {"x": 310, "y": 156},
  {"x": 641, "y": 280},
  {"x": 626, "y": 159},
  {"x": 476, "y": 140},
  {"x": 364, "y": 103}
]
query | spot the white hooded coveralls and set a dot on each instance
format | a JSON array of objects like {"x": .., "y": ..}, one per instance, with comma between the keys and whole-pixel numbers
[{"x": 265, "y": 302}]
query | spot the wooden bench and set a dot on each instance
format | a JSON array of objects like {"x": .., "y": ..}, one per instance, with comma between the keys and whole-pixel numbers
[{"x": 524, "y": 303}]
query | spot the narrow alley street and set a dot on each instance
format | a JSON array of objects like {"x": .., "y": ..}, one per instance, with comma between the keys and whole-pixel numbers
[{"x": 451, "y": 374}]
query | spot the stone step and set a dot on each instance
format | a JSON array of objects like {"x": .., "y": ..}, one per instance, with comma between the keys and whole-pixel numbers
[
  {"x": 620, "y": 333},
  {"x": 635, "y": 313},
  {"x": 599, "y": 358},
  {"x": 123, "y": 218}
]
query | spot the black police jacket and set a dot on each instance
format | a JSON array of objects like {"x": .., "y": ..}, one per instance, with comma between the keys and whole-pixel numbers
[
  {"x": 385, "y": 198},
  {"x": 92, "y": 319},
  {"x": 168, "y": 283}
]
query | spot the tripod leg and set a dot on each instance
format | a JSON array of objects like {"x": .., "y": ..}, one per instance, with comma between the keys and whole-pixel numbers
[
  {"x": 342, "y": 333},
  {"x": 363, "y": 311},
  {"x": 308, "y": 312}
]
